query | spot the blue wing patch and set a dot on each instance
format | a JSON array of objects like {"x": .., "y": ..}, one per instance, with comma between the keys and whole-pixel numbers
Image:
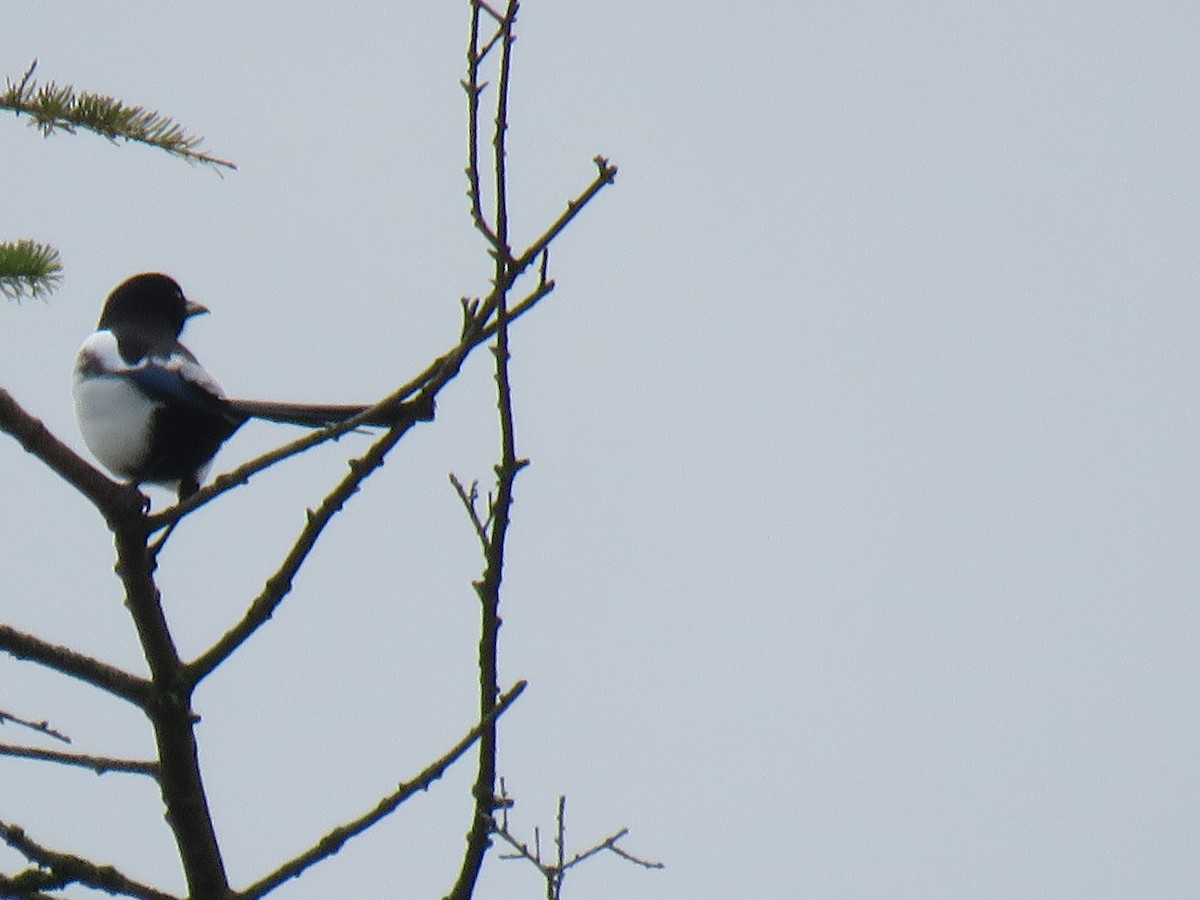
[{"x": 168, "y": 383}]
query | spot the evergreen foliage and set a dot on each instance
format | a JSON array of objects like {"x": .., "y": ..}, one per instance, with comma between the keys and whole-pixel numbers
[{"x": 34, "y": 269}]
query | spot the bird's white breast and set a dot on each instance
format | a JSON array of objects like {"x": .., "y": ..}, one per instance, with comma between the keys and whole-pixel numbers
[{"x": 114, "y": 416}]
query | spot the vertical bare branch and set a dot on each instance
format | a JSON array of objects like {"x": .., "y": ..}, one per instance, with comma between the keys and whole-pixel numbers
[
  {"x": 474, "y": 88},
  {"x": 499, "y": 140},
  {"x": 170, "y": 714},
  {"x": 488, "y": 587}
]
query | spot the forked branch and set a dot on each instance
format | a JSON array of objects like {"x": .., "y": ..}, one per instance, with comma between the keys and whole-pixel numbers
[{"x": 555, "y": 871}]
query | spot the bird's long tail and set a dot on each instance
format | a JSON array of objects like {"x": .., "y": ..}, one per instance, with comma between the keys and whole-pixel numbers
[{"x": 316, "y": 415}]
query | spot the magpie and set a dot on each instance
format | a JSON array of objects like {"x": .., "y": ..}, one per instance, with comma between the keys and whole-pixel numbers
[{"x": 146, "y": 407}]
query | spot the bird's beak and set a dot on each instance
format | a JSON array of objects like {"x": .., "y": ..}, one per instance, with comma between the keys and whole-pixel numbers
[{"x": 195, "y": 309}]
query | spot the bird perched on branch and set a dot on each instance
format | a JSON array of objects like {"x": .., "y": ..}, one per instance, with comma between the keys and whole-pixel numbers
[{"x": 148, "y": 410}]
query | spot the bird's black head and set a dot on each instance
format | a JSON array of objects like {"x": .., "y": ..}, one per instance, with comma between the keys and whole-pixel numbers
[{"x": 150, "y": 303}]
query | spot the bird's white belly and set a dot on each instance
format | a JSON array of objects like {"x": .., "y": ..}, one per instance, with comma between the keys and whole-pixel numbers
[{"x": 115, "y": 418}]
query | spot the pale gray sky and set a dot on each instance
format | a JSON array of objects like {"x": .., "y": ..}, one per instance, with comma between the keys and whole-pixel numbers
[{"x": 858, "y": 553}]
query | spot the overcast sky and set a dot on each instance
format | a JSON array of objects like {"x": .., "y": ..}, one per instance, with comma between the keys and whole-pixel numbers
[{"x": 857, "y": 557}]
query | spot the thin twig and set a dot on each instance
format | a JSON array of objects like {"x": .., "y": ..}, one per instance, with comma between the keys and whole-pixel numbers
[
  {"x": 474, "y": 88},
  {"x": 479, "y": 328},
  {"x": 98, "y": 764},
  {"x": 542, "y": 291},
  {"x": 555, "y": 873},
  {"x": 488, "y": 587},
  {"x": 42, "y": 727},
  {"x": 499, "y": 144},
  {"x": 242, "y": 474},
  {"x": 560, "y": 844},
  {"x": 491, "y": 12},
  {"x": 606, "y": 175},
  {"x": 436, "y": 376},
  {"x": 280, "y": 584},
  {"x": 611, "y": 844},
  {"x": 332, "y": 842},
  {"x": 469, "y": 500}
]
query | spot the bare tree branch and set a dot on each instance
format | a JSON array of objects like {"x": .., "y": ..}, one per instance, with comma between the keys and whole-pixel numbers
[
  {"x": 166, "y": 696},
  {"x": 42, "y": 727},
  {"x": 111, "y": 497},
  {"x": 334, "y": 840},
  {"x": 62, "y": 869},
  {"x": 20, "y": 645},
  {"x": 172, "y": 718},
  {"x": 470, "y": 500},
  {"x": 280, "y": 584},
  {"x": 479, "y": 327},
  {"x": 425, "y": 387},
  {"x": 606, "y": 175},
  {"x": 488, "y": 587},
  {"x": 98, "y": 764},
  {"x": 555, "y": 872},
  {"x": 474, "y": 89},
  {"x": 24, "y": 886},
  {"x": 242, "y": 474}
]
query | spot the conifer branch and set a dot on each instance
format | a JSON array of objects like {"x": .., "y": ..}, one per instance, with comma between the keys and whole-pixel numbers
[
  {"x": 28, "y": 268},
  {"x": 54, "y": 107}
]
